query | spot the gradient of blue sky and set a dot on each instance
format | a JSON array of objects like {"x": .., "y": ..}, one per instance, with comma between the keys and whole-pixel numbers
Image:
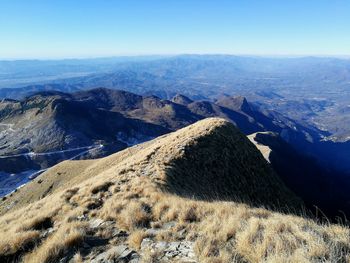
[{"x": 90, "y": 28}]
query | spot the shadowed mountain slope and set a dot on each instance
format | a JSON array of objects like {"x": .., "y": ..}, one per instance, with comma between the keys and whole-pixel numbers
[
  {"x": 219, "y": 162},
  {"x": 317, "y": 186}
]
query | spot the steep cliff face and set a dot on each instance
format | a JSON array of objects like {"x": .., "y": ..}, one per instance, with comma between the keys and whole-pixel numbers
[{"x": 317, "y": 186}]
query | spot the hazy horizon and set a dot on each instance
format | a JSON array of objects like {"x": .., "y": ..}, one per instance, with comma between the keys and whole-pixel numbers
[{"x": 345, "y": 56}]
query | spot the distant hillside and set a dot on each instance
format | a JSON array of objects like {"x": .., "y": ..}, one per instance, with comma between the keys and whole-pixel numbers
[
  {"x": 51, "y": 126},
  {"x": 182, "y": 197},
  {"x": 22, "y": 92},
  {"x": 65, "y": 124}
]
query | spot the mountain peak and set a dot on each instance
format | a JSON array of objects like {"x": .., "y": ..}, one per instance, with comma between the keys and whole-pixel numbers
[
  {"x": 213, "y": 159},
  {"x": 236, "y": 103},
  {"x": 181, "y": 99}
]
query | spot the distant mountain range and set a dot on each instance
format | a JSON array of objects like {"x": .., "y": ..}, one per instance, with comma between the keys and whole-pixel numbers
[
  {"x": 311, "y": 90},
  {"x": 56, "y": 122}
]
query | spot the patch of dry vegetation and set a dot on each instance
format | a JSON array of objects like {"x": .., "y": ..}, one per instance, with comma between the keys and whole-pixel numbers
[
  {"x": 130, "y": 194},
  {"x": 68, "y": 236},
  {"x": 135, "y": 215},
  {"x": 228, "y": 231},
  {"x": 135, "y": 239},
  {"x": 17, "y": 243}
]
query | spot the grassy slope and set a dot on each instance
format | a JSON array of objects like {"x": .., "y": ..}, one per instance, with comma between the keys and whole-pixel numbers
[{"x": 143, "y": 187}]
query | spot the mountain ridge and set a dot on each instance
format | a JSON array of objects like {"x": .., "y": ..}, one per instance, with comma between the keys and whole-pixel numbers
[
  {"x": 133, "y": 201},
  {"x": 108, "y": 116}
]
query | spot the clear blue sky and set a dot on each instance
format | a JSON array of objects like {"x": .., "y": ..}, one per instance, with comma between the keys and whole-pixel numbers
[{"x": 92, "y": 28}]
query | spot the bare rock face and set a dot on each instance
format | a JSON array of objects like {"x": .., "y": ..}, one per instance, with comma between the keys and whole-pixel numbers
[
  {"x": 181, "y": 251},
  {"x": 119, "y": 253}
]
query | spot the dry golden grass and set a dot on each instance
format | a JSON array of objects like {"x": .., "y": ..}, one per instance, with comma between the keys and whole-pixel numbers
[
  {"x": 134, "y": 215},
  {"x": 78, "y": 258},
  {"x": 129, "y": 189},
  {"x": 135, "y": 239},
  {"x": 10, "y": 245},
  {"x": 37, "y": 223},
  {"x": 68, "y": 236},
  {"x": 229, "y": 231}
]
